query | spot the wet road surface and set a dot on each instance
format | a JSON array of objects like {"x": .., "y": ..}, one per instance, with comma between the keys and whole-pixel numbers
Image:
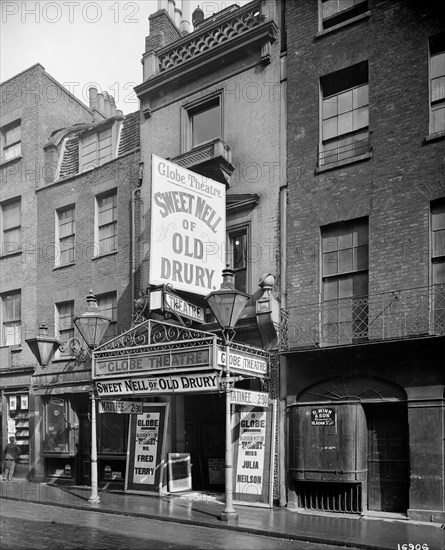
[{"x": 28, "y": 526}]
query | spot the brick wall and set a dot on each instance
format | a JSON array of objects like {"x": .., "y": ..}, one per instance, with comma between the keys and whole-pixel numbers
[
  {"x": 394, "y": 188},
  {"x": 251, "y": 112},
  {"x": 43, "y": 105},
  {"x": 104, "y": 274}
]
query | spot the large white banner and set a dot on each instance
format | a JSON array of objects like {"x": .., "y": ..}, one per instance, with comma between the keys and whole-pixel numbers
[{"x": 188, "y": 229}]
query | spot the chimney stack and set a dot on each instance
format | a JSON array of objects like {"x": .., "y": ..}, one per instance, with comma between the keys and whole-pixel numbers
[
  {"x": 178, "y": 17},
  {"x": 185, "y": 23},
  {"x": 171, "y": 9},
  {"x": 92, "y": 94},
  {"x": 107, "y": 107},
  {"x": 101, "y": 104},
  {"x": 162, "y": 5},
  {"x": 112, "y": 106}
]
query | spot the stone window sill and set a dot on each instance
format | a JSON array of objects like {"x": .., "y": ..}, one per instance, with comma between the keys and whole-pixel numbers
[
  {"x": 351, "y": 21},
  {"x": 434, "y": 137}
]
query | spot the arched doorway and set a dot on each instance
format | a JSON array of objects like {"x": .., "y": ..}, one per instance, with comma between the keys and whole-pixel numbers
[{"x": 350, "y": 446}]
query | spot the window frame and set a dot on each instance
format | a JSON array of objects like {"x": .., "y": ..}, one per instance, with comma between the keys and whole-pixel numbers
[
  {"x": 437, "y": 45},
  {"x": 111, "y": 331},
  {"x": 14, "y": 320},
  {"x": 92, "y": 140},
  {"x": 58, "y": 239},
  {"x": 343, "y": 81},
  {"x": 7, "y": 128},
  {"x": 194, "y": 108},
  {"x": 14, "y": 228},
  {"x": 437, "y": 258},
  {"x": 60, "y": 333},
  {"x": 340, "y": 17},
  {"x": 335, "y": 307},
  {"x": 232, "y": 233},
  {"x": 98, "y": 227}
]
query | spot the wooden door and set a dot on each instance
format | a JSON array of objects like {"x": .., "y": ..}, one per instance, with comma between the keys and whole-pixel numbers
[{"x": 388, "y": 457}]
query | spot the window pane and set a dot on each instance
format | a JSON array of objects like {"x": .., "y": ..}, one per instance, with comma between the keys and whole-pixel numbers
[
  {"x": 345, "y": 261},
  {"x": 330, "y": 289},
  {"x": 107, "y": 305},
  {"x": 439, "y": 272},
  {"x": 439, "y": 243},
  {"x": 12, "y": 135},
  {"x": 438, "y": 88},
  {"x": 330, "y": 128},
  {"x": 239, "y": 247},
  {"x": 344, "y": 237},
  {"x": 330, "y": 7},
  {"x": 438, "y": 118},
  {"x": 67, "y": 250},
  {"x": 112, "y": 433},
  {"x": 360, "y": 284},
  {"x": 12, "y": 241},
  {"x": 330, "y": 107},
  {"x": 360, "y": 118},
  {"x": 206, "y": 125},
  {"x": 11, "y": 215},
  {"x": 345, "y": 123},
  {"x": 345, "y": 287},
  {"x": 361, "y": 260},
  {"x": 345, "y": 102},
  {"x": 438, "y": 215},
  {"x": 12, "y": 333},
  {"x": 330, "y": 263},
  {"x": 360, "y": 96},
  {"x": 438, "y": 65}
]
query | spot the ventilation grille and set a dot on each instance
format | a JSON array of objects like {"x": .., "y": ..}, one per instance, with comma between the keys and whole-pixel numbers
[{"x": 329, "y": 497}]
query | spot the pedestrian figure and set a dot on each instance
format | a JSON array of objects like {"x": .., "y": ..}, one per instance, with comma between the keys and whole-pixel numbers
[{"x": 11, "y": 454}]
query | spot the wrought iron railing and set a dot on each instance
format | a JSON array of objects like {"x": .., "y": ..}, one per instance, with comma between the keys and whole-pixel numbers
[{"x": 398, "y": 314}]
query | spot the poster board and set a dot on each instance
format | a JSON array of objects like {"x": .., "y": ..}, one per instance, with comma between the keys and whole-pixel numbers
[
  {"x": 145, "y": 454},
  {"x": 253, "y": 454},
  {"x": 179, "y": 472}
]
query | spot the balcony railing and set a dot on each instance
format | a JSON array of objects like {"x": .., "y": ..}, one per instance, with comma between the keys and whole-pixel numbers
[{"x": 409, "y": 313}]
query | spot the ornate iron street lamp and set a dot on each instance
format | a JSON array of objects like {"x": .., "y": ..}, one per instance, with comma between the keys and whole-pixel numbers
[
  {"x": 227, "y": 304},
  {"x": 91, "y": 326}
]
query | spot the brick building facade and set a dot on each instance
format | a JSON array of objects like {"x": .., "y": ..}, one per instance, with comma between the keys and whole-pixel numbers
[
  {"x": 33, "y": 104},
  {"x": 87, "y": 217},
  {"x": 363, "y": 360}
]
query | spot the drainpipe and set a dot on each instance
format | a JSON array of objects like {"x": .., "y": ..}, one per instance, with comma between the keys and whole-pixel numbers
[{"x": 135, "y": 197}]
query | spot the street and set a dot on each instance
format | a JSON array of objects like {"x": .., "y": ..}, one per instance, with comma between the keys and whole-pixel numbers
[{"x": 37, "y": 526}]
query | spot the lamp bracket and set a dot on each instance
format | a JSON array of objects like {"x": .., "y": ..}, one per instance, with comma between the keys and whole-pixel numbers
[{"x": 75, "y": 346}]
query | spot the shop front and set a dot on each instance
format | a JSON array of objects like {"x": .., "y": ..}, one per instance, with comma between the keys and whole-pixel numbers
[{"x": 173, "y": 376}]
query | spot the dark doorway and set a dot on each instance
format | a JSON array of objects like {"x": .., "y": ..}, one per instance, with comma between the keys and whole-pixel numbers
[
  {"x": 388, "y": 456},
  {"x": 204, "y": 427}
]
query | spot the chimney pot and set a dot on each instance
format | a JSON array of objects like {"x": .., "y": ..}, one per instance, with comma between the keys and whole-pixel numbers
[
  {"x": 197, "y": 16},
  {"x": 100, "y": 104},
  {"x": 171, "y": 9},
  {"x": 92, "y": 94}
]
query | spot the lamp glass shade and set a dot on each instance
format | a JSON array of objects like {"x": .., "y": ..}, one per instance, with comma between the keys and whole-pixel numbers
[
  {"x": 92, "y": 328},
  {"x": 43, "y": 348},
  {"x": 227, "y": 306}
]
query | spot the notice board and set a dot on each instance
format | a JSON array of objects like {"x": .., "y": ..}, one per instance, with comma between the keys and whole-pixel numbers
[
  {"x": 253, "y": 454},
  {"x": 179, "y": 472},
  {"x": 145, "y": 454}
]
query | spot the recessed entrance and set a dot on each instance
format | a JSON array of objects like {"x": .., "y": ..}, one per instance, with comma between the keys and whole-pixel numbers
[
  {"x": 388, "y": 471},
  {"x": 204, "y": 439},
  {"x": 350, "y": 446}
]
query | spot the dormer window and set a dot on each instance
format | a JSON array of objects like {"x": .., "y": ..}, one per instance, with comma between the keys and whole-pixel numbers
[{"x": 96, "y": 149}]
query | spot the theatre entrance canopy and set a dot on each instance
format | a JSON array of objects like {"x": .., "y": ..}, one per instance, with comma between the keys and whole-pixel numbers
[{"x": 156, "y": 357}]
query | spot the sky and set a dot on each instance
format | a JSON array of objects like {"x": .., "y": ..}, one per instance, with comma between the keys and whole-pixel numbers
[{"x": 82, "y": 43}]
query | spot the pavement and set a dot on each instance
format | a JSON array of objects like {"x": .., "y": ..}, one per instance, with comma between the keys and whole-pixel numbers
[{"x": 203, "y": 509}]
